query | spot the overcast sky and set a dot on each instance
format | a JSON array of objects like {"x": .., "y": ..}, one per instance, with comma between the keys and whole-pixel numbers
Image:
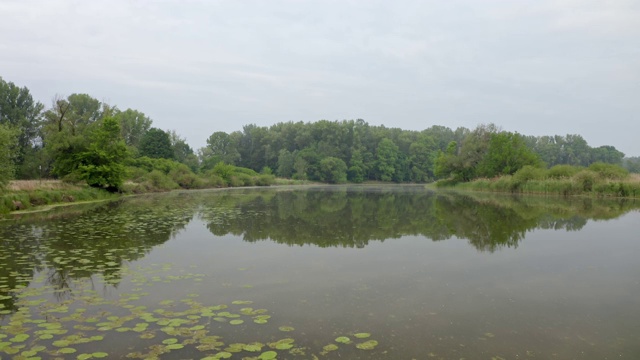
[{"x": 539, "y": 67}]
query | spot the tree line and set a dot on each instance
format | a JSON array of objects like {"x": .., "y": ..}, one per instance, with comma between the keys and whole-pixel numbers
[{"x": 79, "y": 137}]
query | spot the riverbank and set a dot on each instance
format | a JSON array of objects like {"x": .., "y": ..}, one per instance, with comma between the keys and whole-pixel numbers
[
  {"x": 21, "y": 196},
  {"x": 594, "y": 181}
]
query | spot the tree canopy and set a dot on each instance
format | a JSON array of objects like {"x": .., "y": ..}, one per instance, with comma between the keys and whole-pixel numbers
[{"x": 76, "y": 137}]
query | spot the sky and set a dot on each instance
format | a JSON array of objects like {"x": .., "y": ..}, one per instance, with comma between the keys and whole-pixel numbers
[{"x": 538, "y": 67}]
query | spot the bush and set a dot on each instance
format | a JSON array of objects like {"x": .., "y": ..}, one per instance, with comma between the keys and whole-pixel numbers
[
  {"x": 265, "y": 180},
  {"x": 562, "y": 171},
  {"x": 609, "y": 171},
  {"x": 212, "y": 180},
  {"x": 585, "y": 180},
  {"x": 160, "y": 181},
  {"x": 528, "y": 173}
]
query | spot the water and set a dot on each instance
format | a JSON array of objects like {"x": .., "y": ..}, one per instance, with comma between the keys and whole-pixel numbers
[{"x": 426, "y": 274}]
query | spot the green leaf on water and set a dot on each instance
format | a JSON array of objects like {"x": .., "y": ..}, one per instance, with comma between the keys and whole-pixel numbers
[
  {"x": 367, "y": 345},
  {"x": 286, "y": 328},
  {"x": 242, "y": 302},
  {"x": 61, "y": 343},
  {"x": 362, "y": 335},
  {"x": 252, "y": 347},
  {"x": 236, "y": 322},
  {"x": 67, "y": 350},
  {"x": 343, "y": 340},
  {"x": 170, "y": 341},
  {"x": 330, "y": 347},
  {"x": 268, "y": 355},
  {"x": 99, "y": 354},
  {"x": 19, "y": 338},
  {"x": 174, "y": 346}
]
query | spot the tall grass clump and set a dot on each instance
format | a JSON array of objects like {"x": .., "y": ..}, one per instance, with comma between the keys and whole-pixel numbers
[
  {"x": 563, "y": 171},
  {"x": 599, "y": 179}
]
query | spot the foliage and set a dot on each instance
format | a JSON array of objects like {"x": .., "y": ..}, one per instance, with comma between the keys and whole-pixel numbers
[
  {"x": 609, "y": 171},
  {"x": 387, "y": 156},
  {"x": 333, "y": 170},
  {"x": 8, "y": 141},
  {"x": 156, "y": 143},
  {"x": 563, "y": 171},
  {"x": 632, "y": 164},
  {"x": 133, "y": 125},
  {"x": 102, "y": 164},
  {"x": 506, "y": 154},
  {"x": 19, "y": 111},
  {"x": 51, "y": 142},
  {"x": 599, "y": 179}
]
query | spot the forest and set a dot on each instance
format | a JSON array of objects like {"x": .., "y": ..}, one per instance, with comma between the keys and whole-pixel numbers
[{"x": 79, "y": 138}]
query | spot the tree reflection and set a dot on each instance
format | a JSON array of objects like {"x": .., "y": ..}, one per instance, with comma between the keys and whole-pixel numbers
[{"x": 353, "y": 216}]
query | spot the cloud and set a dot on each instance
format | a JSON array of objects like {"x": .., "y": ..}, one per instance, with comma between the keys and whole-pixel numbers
[{"x": 542, "y": 67}]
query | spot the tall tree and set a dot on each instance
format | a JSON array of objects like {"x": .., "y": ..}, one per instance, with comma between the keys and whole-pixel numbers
[
  {"x": 507, "y": 153},
  {"x": 387, "y": 157},
  {"x": 8, "y": 143},
  {"x": 224, "y": 147},
  {"x": 156, "y": 143},
  {"x": 133, "y": 125},
  {"x": 333, "y": 170},
  {"x": 183, "y": 153},
  {"x": 19, "y": 111},
  {"x": 102, "y": 163}
]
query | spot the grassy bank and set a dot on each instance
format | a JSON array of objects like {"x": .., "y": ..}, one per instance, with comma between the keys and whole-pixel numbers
[
  {"x": 28, "y": 194},
  {"x": 154, "y": 176},
  {"x": 597, "y": 180}
]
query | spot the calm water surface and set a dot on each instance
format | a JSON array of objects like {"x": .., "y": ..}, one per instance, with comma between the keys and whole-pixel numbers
[{"x": 353, "y": 272}]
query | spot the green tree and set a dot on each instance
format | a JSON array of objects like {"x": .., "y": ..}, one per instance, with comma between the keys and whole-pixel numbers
[
  {"x": 133, "y": 125},
  {"x": 8, "y": 142},
  {"x": 447, "y": 163},
  {"x": 387, "y": 156},
  {"x": 632, "y": 164},
  {"x": 223, "y": 147},
  {"x": 19, "y": 111},
  {"x": 507, "y": 153},
  {"x": 102, "y": 163},
  {"x": 156, "y": 144},
  {"x": 421, "y": 158},
  {"x": 333, "y": 170},
  {"x": 286, "y": 160},
  {"x": 607, "y": 154},
  {"x": 357, "y": 170}
]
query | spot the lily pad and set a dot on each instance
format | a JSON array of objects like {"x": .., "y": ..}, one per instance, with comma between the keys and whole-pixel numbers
[
  {"x": 362, "y": 335},
  {"x": 367, "y": 345},
  {"x": 330, "y": 347},
  {"x": 268, "y": 355},
  {"x": 67, "y": 350},
  {"x": 343, "y": 340}
]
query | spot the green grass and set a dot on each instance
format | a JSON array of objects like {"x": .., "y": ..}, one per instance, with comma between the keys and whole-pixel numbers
[
  {"x": 598, "y": 180},
  {"x": 11, "y": 200}
]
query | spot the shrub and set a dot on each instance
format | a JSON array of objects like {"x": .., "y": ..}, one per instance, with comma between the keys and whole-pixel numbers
[
  {"x": 160, "y": 181},
  {"x": 528, "y": 173},
  {"x": 609, "y": 171},
  {"x": 562, "y": 171},
  {"x": 585, "y": 180},
  {"x": 265, "y": 180}
]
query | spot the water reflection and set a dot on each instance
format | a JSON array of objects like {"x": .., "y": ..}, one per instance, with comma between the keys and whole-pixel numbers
[
  {"x": 354, "y": 216},
  {"x": 420, "y": 296},
  {"x": 88, "y": 241},
  {"x": 96, "y": 240}
]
